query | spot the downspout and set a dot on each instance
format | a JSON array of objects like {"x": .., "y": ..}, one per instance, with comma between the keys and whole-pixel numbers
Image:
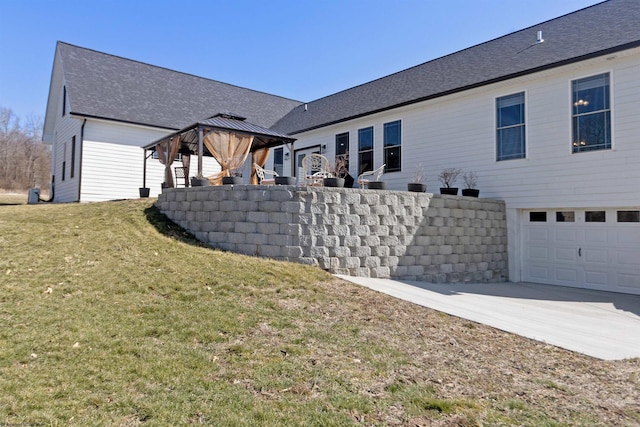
[{"x": 84, "y": 122}]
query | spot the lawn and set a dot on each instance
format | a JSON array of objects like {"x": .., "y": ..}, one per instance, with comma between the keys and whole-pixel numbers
[{"x": 111, "y": 315}]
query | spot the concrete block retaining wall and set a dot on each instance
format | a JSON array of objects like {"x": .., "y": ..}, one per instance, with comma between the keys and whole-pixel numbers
[{"x": 370, "y": 233}]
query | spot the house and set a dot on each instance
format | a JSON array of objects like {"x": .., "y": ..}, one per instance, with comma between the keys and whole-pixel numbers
[
  {"x": 547, "y": 117},
  {"x": 102, "y": 108}
]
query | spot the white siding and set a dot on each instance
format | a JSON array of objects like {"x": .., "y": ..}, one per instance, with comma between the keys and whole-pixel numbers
[
  {"x": 66, "y": 187},
  {"x": 113, "y": 162}
]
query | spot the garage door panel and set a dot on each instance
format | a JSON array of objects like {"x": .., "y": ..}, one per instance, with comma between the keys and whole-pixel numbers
[
  {"x": 598, "y": 236},
  {"x": 629, "y": 237},
  {"x": 596, "y": 256},
  {"x": 566, "y": 276},
  {"x": 539, "y": 273},
  {"x": 629, "y": 282},
  {"x": 538, "y": 253},
  {"x": 628, "y": 258},
  {"x": 566, "y": 236},
  {"x": 538, "y": 234},
  {"x": 566, "y": 254},
  {"x": 596, "y": 278}
]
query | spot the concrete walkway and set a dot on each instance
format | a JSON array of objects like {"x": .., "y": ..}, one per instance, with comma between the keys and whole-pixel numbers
[{"x": 604, "y": 325}]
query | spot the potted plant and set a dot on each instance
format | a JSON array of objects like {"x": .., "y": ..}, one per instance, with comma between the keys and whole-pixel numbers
[
  {"x": 418, "y": 175},
  {"x": 470, "y": 183},
  {"x": 339, "y": 170},
  {"x": 234, "y": 178},
  {"x": 448, "y": 178}
]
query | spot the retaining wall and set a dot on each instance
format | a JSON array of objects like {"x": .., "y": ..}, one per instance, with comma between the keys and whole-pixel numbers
[{"x": 370, "y": 233}]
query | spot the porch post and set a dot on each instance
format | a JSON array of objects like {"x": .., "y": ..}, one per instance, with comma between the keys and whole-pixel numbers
[
  {"x": 200, "y": 151},
  {"x": 144, "y": 169}
]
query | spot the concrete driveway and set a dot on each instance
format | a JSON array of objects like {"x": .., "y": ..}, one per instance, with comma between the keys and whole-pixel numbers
[{"x": 604, "y": 325}]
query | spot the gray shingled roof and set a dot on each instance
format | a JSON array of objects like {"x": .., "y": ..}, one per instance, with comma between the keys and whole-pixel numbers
[
  {"x": 115, "y": 88},
  {"x": 264, "y": 137},
  {"x": 600, "y": 29}
]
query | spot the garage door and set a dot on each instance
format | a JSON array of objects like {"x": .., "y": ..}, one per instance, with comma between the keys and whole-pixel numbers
[{"x": 594, "y": 249}]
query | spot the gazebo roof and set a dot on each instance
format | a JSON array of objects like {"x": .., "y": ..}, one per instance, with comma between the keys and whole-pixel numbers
[{"x": 263, "y": 137}]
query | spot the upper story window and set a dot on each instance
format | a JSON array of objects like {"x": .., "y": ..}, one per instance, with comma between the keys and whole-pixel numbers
[
  {"x": 591, "y": 113},
  {"x": 392, "y": 146},
  {"x": 278, "y": 161},
  {"x": 365, "y": 150},
  {"x": 510, "y": 127}
]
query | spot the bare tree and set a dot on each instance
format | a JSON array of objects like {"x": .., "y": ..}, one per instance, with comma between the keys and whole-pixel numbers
[{"x": 24, "y": 159}]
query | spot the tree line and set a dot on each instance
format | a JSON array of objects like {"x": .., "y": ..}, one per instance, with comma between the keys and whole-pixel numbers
[{"x": 25, "y": 161}]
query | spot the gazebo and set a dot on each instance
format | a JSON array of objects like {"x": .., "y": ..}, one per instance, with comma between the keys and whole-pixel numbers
[{"x": 226, "y": 137}]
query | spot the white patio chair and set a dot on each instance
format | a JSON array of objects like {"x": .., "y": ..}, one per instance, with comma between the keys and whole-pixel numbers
[
  {"x": 315, "y": 168},
  {"x": 261, "y": 172},
  {"x": 375, "y": 174}
]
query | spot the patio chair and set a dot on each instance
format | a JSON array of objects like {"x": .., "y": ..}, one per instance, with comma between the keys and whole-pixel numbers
[
  {"x": 375, "y": 174},
  {"x": 261, "y": 172},
  {"x": 315, "y": 168},
  {"x": 182, "y": 174}
]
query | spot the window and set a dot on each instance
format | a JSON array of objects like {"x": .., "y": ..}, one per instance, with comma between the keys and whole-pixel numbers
[
  {"x": 64, "y": 160},
  {"x": 591, "y": 114},
  {"x": 537, "y": 217},
  {"x": 567, "y": 216},
  {"x": 595, "y": 216},
  {"x": 278, "y": 161},
  {"x": 342, "y": 148},
  {"x": 365, "y": 150},
  {"x": 64, "y": 100},
  {"x": 73, "y": 157},
  {"x": 628, "y": 216},
  {"x": 510, "y": 127},
  {"x": 392, "y": 145}
]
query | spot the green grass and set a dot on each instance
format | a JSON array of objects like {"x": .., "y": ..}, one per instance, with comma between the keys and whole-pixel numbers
[{"x": 112, "y": 315}]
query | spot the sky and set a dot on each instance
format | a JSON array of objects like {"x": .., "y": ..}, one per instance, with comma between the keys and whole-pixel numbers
[{"x": 297, "y": 49}]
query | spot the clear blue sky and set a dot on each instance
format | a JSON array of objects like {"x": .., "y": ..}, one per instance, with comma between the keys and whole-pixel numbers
[{"x": 300, "y": 49}]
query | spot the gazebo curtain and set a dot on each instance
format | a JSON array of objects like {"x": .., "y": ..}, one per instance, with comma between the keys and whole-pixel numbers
[
  {"x": 260, "y": 157},
  {"x": 167, "y": 153},
  {"x": 229, "y": 149}
]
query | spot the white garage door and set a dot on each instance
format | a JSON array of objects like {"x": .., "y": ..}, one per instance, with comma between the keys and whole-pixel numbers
[{"x": 586, "y": 248}]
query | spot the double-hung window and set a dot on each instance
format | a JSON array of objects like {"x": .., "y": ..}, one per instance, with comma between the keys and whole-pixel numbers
[
  {"x": 278, "y": 161},
  {"x": 510, "y": 127},
  {"x": 392, "y": 146},
  {"x": 365, "y": 150},
  {"x": 342, "y": 149},
  {"x": 591, "y": 114}
]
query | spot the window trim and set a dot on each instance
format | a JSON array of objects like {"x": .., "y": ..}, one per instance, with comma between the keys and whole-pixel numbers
[{"x": 524, "y": 124}]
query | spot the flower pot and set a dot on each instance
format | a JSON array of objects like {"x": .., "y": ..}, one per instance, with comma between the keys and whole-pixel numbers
[
  {"x": 200, "y": 182},
  {"x": 333, "y": 182},
  {"x": 452, "y": 191},
  {"x": 470, "y": 192},
  {"x": 417, "y": 187},
  {"x": 377, "y": 185},
  {"x": 231, "y": 180},
  {"x": 144, "y": 191},
  {"x": 285, "y": 180}
]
